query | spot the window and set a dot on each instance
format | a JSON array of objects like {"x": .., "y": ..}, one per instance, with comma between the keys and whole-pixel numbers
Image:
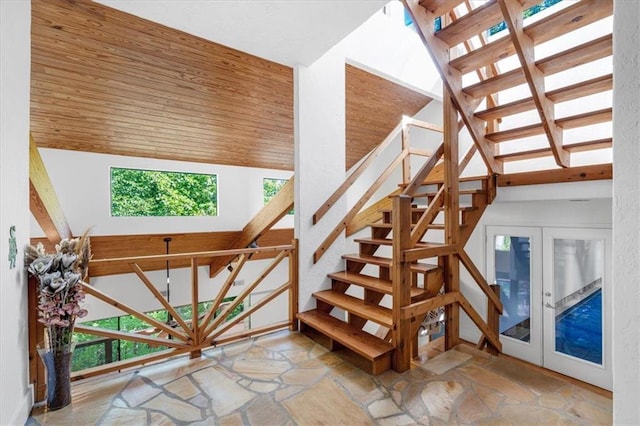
[
  {"x": 270, "y": 187},
  {"x": 137, "y": 192},
  {"x": 527, "y": 13}
]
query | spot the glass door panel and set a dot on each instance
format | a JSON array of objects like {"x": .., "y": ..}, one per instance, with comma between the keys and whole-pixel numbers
[
  {"x": 513, "y": 262},
  {"x": 576, "y": 313}
]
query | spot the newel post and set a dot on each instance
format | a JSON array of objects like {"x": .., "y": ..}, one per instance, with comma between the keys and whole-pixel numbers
[{"x": 401, "y": 279}]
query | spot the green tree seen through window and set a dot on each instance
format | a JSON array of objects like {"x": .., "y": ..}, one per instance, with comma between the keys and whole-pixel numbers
[
  {"x": 270, "y": 187},
  {"x": 137, "y": 192}
]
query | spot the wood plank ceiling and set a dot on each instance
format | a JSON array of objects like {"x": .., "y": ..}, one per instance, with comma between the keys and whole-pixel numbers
[
  {"x": 461, "y": 49},
  {"x": 374, "y": 106},
  {"x": 108, "y": 82}
]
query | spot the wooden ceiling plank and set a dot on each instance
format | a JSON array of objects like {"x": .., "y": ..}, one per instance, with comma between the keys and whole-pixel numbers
[
  {"x": 576, "y": 16},
  {"x": 586, "y": 119},
  {"x": 439, "y": 51},
  {"x": 535, "y": 79},
  {"x": 44, "y": 203},
  {"x": 571, "y": 174}
]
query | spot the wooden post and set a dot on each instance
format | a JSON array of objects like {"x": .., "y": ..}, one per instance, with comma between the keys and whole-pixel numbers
[
  {"x": 293, "y": 291},
  {"x": 195, "y": 298},
  {"x": 451, "y": 217},
  {"x": 401, "y": 274},
  {"x": 406, "y": 163}
]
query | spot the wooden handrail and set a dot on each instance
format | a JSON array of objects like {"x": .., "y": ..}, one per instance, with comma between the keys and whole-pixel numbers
[
  {"x": 342, "y": 189},
  {"x": 410, "y": 121},
  {"x": 357, "y": 206},
  {"x": 419, "y": 178},
  {"x": 427, "y": 217}
]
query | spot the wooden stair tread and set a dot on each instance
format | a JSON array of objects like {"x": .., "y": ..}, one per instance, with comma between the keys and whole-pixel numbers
[
  {"x": 460, "y": 192},
  {"x": 359, "y": 341},
  {"x": 376, "y": 313},
  {"x": 377, "y": 284},
  {"x": 419, "y": 267}
]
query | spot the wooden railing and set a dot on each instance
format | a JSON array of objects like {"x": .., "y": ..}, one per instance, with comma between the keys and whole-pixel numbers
[
  {"x": 401, "y": 159},
  {"x": 182, "y": 335}
]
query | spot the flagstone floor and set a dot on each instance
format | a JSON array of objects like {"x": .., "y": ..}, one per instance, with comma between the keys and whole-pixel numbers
[{"x": 287, "y": 379}]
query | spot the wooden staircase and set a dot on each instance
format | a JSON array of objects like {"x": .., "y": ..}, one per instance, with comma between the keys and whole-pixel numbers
[{"x": 357, "y": 291}]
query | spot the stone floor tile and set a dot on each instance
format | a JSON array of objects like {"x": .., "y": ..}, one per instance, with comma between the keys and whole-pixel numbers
[
  {"x": 175, "y": 408},
  {"x": 296, "y": 356},
  {"x": 329, "y": 359},
  {"x": 139, "y": 391},
  {"x": 234, "y": 419},
  {"x": 388, "y": 378},
  {"x": 400, "y": 420},
  {"x": 383, "y": 408},
  {"x": 238, "y": 348},
  {"x": 529, "y": 377},
  {"x": 286, "y": 392},
  {"x": 590, "y": 413},
  {"x": 508, "y": 388},
  {"x": 183, "y": 387},
  {"x": 264, "y": 411},
  {"x": 361, "y": 386},
  {"x": 200, "y": 401},
  {"x": 118, "y": 402},
  {"x": 446, "y": 361},
  {"x": 325, "y": 403},
  {"x": 470, "y": 408},
  {"x": 226, "y": 395},
  {"x": 490, "y": 397},
  {"x": 412, "y": 400},
  {"x": 396, "y": 396},
  {"x": 531, "y": 415},
  {"x": 303, "y": 376},
  {"x": 259, "y": 368},
  {"x": 175, "y": 368},
  {"x": 439, "y": 397},
  {"x": 263, "y": 387},
  {"x": 158, "y": 419},
  {"x": 123, "y": 416},
  {"x": 317, "y": 351},
  {"x": 552, "y": 400}
]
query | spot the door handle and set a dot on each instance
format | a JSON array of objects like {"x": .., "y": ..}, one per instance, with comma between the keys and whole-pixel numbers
[
  {"x": 548, "y": 294},
  {"x": 549, "y": 305}
]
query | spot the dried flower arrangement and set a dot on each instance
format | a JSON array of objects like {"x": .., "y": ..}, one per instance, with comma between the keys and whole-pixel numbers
[{"x": 59, "y": 291}]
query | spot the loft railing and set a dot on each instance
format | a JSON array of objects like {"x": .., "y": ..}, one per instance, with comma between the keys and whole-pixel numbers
[{"x": 182, "y": 335}]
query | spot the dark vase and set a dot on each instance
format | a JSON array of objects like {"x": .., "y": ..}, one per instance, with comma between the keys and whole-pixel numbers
[{"x": 58, "y": 367}]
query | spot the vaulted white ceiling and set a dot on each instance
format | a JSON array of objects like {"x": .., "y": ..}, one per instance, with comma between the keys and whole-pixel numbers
[{"x": 289, "y": 32}]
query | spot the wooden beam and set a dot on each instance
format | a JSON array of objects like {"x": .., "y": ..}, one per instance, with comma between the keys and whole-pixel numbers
[
  {"x": 418, "y": 309},
  {"x": 371, "y": 214},
  {"x": 573, "y": 174},
  {"x": 269, "y": 215},
  {"x": 44, "y": 204},
  {"x": 439, "y": 51},
  {"x": 479, "y": 279},
  {"x": 419, "y": 178},
  {"x": 439, "y": 7},
  {"x": 491, "y": 336}
]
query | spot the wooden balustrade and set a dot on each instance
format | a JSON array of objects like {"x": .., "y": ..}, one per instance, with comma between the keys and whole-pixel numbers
[{"x": 181, "y": 335}]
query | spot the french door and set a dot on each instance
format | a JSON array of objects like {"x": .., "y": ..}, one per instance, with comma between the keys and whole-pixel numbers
[{"x": 555, "y": 289}]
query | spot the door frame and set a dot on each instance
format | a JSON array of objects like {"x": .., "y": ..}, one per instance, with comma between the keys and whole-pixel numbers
[
  {"x": 529, "y": 351},
  {"x": 599, "y": 375}
]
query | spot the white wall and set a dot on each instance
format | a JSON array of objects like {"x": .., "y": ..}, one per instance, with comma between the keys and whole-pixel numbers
[
  {"x": 87, "y": 202},
  {"x": 626, "y": 207},
  {"x": 15, "y": 24}
]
